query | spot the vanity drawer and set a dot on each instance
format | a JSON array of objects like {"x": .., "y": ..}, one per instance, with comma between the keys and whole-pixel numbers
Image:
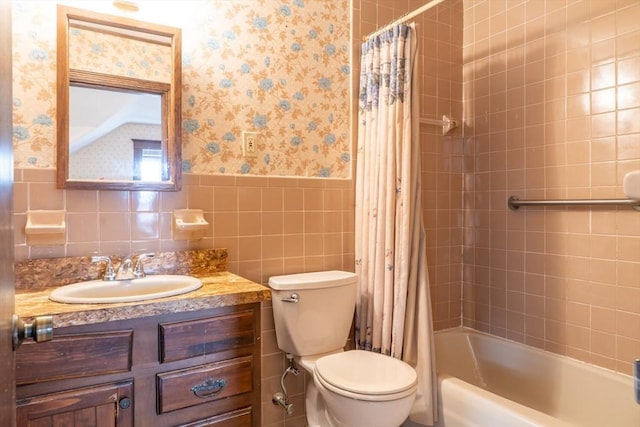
[
  {"x": 192, "y": 338},
  {"x": 73, "y": 356},
  {"x": 204, "y": 384},
  {"x": 239, "y": 418}
]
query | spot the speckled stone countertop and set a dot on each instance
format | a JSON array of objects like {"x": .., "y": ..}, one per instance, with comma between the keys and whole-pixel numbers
[{"x": 219, "y": 289}]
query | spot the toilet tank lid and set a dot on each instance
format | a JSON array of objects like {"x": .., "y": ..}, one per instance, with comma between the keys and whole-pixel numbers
[{"x": 315, "y": 280}]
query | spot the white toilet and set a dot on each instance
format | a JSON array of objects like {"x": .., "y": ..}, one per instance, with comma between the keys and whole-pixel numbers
[{"x": 313, "y": 313}]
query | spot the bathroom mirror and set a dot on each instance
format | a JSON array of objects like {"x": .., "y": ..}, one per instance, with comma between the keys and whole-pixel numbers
[{"x": 119, "y": 94}]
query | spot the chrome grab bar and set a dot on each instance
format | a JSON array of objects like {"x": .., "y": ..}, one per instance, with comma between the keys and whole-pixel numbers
[
  {"x": 514, "y": 202},
  {"x": 294, "y": 298}
]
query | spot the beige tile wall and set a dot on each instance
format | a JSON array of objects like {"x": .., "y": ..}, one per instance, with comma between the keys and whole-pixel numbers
[
  {"x": 440, "y": 43},
  {"x": 440, "y": 63},
  {"x": 551, "y": 93},
  {"x": 270, "y": 226},
  {"x": 552, "y": 102},
  {"x": 551, "y": 106}
]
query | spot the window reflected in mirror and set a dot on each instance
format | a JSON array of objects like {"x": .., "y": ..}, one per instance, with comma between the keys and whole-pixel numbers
[{"x": 147, "y": 160}]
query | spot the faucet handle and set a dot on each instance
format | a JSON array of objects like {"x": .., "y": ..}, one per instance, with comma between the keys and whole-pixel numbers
[
  {"x": 109, "y": 272},
  {"x": 138, "y": 270}
]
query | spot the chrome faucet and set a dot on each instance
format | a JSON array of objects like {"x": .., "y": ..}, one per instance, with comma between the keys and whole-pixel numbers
[
  {"x": 109, "y": 272},
  {"x": 124, "y": 271},
  {"x": 138, "y": 269},
  {"x": 127, "y": 270}
]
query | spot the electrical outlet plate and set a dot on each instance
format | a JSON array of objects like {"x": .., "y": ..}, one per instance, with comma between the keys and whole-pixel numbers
[{"x": 250, "y": 144}]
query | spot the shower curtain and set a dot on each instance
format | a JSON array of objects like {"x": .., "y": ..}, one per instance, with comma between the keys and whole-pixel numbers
[{"x": 393, "y": 311}]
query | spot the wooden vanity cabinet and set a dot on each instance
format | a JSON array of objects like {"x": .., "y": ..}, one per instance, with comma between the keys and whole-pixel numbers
[{"x": 198, "y": 368}]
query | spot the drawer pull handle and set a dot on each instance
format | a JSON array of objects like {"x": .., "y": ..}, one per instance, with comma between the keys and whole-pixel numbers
[{"x": 209, "y": 388}]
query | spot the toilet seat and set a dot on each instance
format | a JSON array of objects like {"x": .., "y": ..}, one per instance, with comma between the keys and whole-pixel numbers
[{"x": 366, "y": 375}]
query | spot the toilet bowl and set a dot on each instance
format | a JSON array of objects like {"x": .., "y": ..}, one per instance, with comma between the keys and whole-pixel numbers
[
  {"x": 362, "y": 388},
  {"x": 313, "y": 313}
]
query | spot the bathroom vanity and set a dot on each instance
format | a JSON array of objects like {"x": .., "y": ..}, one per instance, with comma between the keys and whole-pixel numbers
[{"x": 188, "y": 360}]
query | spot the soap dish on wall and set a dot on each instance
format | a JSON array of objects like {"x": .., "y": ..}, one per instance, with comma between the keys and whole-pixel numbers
[
  {"x": 631, "y": 185},
  {"x": 189, "y": 224},
  {"x": 45, "y": 228}
]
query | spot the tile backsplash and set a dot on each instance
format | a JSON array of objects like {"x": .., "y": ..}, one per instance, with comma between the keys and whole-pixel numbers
[
  {"x": 41, "y": 273},
  {"x": 268, "y": 225}
]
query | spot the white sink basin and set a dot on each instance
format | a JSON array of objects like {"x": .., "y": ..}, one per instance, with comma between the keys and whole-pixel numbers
[{"x": 101, "y": 291}]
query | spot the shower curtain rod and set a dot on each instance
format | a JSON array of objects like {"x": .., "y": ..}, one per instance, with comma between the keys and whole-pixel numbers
[{"x": 405, "y": 17}]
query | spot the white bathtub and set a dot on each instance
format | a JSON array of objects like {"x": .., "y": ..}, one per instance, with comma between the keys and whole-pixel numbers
[{"x": 486, "y": 381}]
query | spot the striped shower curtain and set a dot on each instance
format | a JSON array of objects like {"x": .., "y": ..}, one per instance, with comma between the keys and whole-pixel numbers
[{"x": 393, "y": 311}]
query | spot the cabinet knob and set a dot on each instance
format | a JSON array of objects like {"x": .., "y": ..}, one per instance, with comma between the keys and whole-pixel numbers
[
  {"x": 209, "y": 388},
  {"x": 124, "y": 403}
]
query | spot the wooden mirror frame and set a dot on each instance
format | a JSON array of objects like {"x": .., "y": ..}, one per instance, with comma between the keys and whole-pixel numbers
[{"x": 170, "y": 94}]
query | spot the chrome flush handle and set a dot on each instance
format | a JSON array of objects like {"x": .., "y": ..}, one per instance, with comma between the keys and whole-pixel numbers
[{"x": 294, "y": 298}]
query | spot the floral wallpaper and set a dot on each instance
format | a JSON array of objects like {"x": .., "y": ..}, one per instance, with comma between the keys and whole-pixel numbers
[
  {"x": 277, "y": 67},
  {"x": 34, "y": 84},
  {"x": 120, "y": 56}
]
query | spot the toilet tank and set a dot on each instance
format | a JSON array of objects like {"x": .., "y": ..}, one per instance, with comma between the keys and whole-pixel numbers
[{"x": 320, "y": 320}]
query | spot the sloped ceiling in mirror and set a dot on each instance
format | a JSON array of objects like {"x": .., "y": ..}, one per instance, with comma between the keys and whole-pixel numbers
[{"x": 87, "y": 124}]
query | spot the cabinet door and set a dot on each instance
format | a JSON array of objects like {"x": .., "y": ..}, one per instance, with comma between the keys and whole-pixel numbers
[{"x": 106, "y": 405}]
